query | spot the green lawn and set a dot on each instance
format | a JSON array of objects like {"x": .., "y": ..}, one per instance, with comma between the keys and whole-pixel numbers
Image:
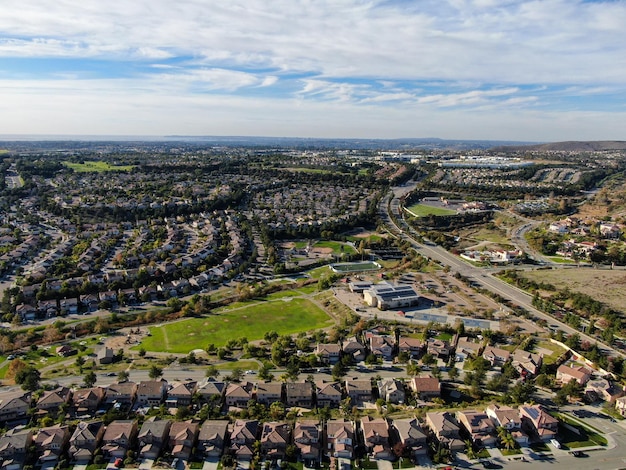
[
  {"x": 336, "y": 247},
  {"x": 251, "y": 320},
  {"x": 96, "y": 166},
  {"x": 422, "y": 210},
  {"x": 319, "y": 272},
  {"x": 556, "y": 351},
  {"x": 559, "y": 259},
  {"x": 356, "y": 267},
  {"x": 244, "y": 364}
]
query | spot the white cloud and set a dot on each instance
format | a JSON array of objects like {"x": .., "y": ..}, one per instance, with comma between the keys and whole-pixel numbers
[{"x": 401, "y": 59}]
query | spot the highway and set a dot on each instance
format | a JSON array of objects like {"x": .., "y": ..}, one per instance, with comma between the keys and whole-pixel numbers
[{"x": 480, "y": 276}]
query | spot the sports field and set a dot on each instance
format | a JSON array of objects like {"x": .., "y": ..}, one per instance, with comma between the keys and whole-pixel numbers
[
  {"x": 96, "y": 167},
  {"x": 423, "y": 210},
  {"x": 250, "y": 320},
  {"x": 355, "y": 267}
]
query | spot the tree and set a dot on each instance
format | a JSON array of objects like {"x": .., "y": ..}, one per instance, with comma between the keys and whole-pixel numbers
[
  {"x": 122, "y": 376},
  {"x": 142, "y": 352},
  {"x": 428, "y": 359},
  {"x": 80, "y": 362},
  {"x": 277, "y": 410},
  {"x": 412, "y": 368},
  {"x": 90, "y": 379},
  {"x": 28, "y": 377},
  {"x": 265, "y": 372},
  {"x": 453, "y": 373},
  {"x": 155, "y": 372},
  {"x": 212, "y": 372},
  {"x": 236, "y": 375},
  {"x": 506, "y": 438}
]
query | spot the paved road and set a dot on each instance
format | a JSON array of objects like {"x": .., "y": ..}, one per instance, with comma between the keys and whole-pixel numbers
[{"x": 476, "y": 274}]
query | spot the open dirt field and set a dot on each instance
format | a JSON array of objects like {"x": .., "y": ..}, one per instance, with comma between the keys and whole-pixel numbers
[
  {"x": 323, "y": 251},
  {"x": 608, "y": 286}
]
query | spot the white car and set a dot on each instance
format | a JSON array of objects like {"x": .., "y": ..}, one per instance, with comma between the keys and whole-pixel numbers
[{"x": 555, "y": 443}]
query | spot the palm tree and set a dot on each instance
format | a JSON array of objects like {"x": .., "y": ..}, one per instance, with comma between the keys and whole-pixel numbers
[
  {"x": 469, "y": 450},
  {"x": 506, "y": 438}
]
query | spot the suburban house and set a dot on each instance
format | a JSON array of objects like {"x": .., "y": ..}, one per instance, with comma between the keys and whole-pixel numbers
[
  {"x": 152, "y": 437},
  {"x": 182, "y": 438},
  {"x": 526, "y": 363},
  {"x": 467, "y": 347},
  {"x": 52, "y": 400},
  {"x": 603, "y": 389},
  {"x": 354, "y": 348},
  {"x": 242, "y": 437},
  {"x": 376, "y": 437},
  {"x": 359, "y": 391},
  {"x": 212, "y": 437},
  {"x": 151, "y": 392},
  {"x": 445, "y": 428},
  {"x": 381, "y": 346},
  {"x": 87, "y": 400},
  {"x": 118, "y": 438},
  {"x": 299, "y": 394},
  {"x": 14, "y": 447},
  {"x": 124, "y": 393},
  {"x": 425, "y": 388},
  {"x": 14, "y": 405},
  {"x": 438, "y": 348},
  {"x": 275, "y": 437},
  {"x": 510, "y": 419},
  {"x": 85, "y": 440},
  {"x": 269, "y": 392},
  {"x": 181, "y": 394},
  {"x": 106, "y": 356},
  {"x": 329, "y": 353},
  {"x": 306, "y": 437},
  {"x": 328, "y": 394},
  {"x": 620, "y": 406},
  {"x": 479, "y": 426},
  {"x": 565, "y": 374},
  {"x": 411, "y": 435},
  {"x": 210, "y": 390},
  {"x": 412, "y": 346},
  {"x": 238, "y": 395},
  {"x": 340, "y": 438},
  {"x": 537, "y": 420},
  {"x": 50, "y": 443},
  {"x": 496, "y": 356},
  {"x": 391, "y": 390}
]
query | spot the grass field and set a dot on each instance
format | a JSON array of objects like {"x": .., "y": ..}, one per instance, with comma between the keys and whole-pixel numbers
[
  {"x": 252, "y": 320},
  {"x": 422, "y": 210},
  {"x": 337, "y": 247},
  {"x": 355, "y": 267},
  {"x": 96, "y": 167},
  {"x": 602, "y": 284},
  {"x": 485, "y": 234}
]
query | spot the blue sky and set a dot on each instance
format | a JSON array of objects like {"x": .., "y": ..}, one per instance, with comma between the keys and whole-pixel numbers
[{"x": 464, "y": 69}]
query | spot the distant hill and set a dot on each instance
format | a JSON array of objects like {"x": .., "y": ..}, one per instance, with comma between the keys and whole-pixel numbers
[{"x": 571, "y": 146}]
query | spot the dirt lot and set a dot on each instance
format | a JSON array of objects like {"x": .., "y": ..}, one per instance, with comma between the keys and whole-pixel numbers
[{"x": 605, "y": 285}]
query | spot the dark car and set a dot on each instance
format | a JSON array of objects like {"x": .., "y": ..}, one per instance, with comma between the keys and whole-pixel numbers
[
  {"x": 489, "y": 464},
  {"x": 578, "y": 453}
]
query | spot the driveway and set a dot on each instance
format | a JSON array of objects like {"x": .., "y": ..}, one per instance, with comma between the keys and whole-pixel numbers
[
  {"x": 384, "y": 465},
  {"x": 211, "y": 463},
  {"x": 146, "y": 464}
]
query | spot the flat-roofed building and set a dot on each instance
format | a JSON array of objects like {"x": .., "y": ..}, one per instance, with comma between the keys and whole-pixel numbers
[{"x": 385, "y": 296}]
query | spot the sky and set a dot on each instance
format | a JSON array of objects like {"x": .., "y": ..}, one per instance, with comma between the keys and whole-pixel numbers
[{"x": 533, "y": 70}]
